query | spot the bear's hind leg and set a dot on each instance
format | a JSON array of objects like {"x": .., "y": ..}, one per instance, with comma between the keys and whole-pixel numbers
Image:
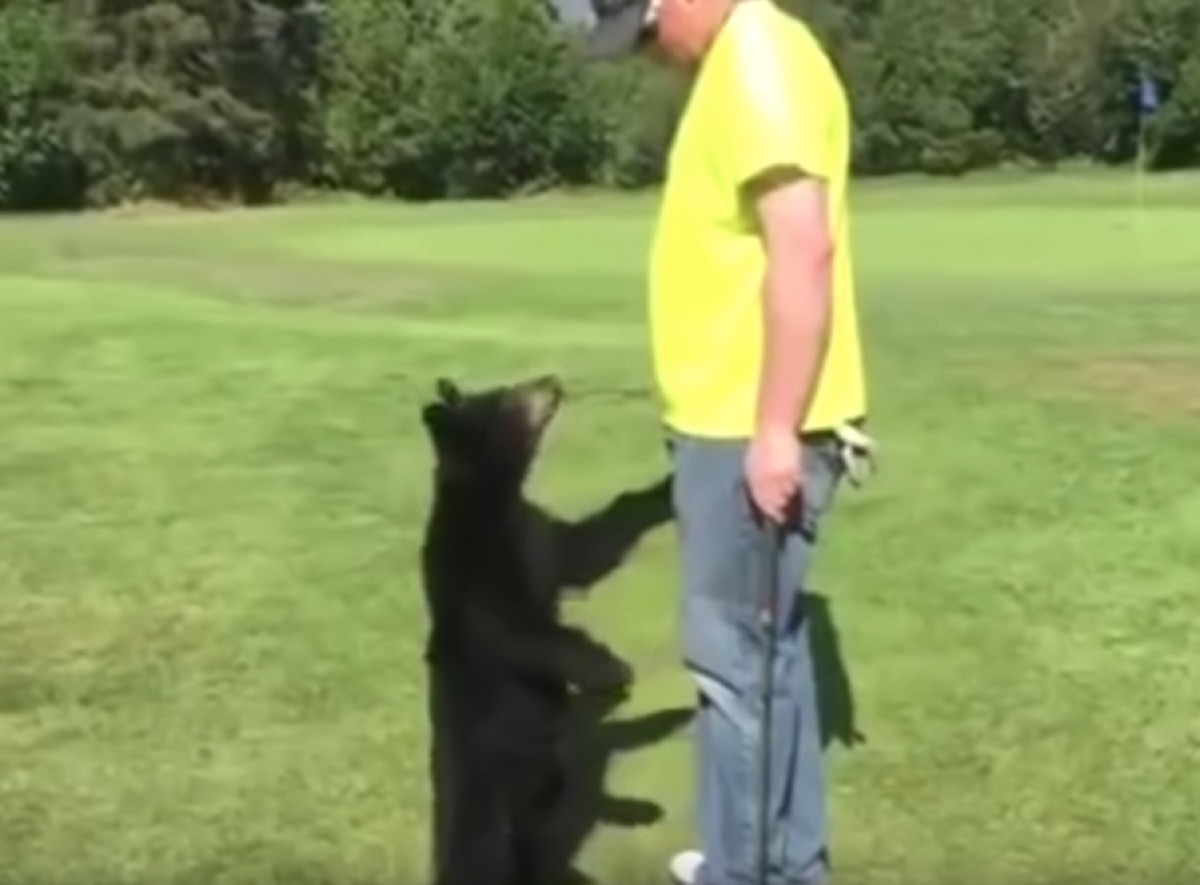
[
  {"x": 478, "y": 848},
  {"x": 541, "y": 855}
]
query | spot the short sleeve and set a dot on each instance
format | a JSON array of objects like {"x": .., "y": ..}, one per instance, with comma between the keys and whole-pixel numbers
[{"x": 776, "y": 110}]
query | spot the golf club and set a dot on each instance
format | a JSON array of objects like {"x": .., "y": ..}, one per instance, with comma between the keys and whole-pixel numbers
[{"x": 770, "y": 540}]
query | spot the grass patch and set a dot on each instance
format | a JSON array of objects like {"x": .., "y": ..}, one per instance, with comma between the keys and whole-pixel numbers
[
  {"x": 212, "y": 483},
  {"x": 1147, "y": 385}
]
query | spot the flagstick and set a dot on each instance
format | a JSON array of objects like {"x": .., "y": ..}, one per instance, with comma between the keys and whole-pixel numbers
[
  {"x": 1139, "y": 188},
  {"x": 1148, "y": 103}
]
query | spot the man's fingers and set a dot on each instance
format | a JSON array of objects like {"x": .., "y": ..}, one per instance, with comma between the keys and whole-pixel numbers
[
  {"x": 764, "y": 503},
  {"x": 776, "y": 505},
  {"x": 774, "y": 499}
]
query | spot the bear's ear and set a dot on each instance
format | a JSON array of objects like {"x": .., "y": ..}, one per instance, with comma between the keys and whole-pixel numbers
[
  {"x": 448, "y": 391},
  {"x": 435, "y": 415},
  {"x": 446, "y": 424},
  {"x": 450, "y": 437}
]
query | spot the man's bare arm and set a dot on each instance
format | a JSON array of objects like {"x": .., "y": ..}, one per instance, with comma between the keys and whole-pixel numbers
[{"x": 793, "y": 220}]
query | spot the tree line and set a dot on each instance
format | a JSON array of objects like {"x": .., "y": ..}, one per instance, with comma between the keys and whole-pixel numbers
[{"x": 105, "y": 101}]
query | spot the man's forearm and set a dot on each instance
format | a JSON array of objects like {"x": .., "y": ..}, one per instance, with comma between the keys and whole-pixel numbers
[{"x": 796, "y": 313}]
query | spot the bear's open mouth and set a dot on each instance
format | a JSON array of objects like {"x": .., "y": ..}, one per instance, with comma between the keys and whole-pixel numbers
[{"x": 541, "y": 398}]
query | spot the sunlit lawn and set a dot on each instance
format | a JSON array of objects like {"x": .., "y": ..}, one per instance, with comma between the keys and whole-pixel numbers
[{"x": 213, "y": 480}]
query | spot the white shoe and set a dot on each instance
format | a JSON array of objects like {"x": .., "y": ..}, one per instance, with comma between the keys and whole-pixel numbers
[{"x": 685, "y": 867}]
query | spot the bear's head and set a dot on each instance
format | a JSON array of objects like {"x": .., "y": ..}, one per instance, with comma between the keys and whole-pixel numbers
[{"x": 490, "y": 436}]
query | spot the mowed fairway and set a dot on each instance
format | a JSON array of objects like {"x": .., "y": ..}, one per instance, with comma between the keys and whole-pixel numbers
[{"x": 213, "y": 480}]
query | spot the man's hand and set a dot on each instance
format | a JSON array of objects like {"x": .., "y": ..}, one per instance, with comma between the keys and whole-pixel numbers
[{"x": 773, "y": 474}]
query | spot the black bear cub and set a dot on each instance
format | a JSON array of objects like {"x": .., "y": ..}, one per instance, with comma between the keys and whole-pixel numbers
[{"x": 501, "y": 664}]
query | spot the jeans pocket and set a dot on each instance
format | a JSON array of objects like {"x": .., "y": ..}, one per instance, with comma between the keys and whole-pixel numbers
[{"x": 823, "y": 471}]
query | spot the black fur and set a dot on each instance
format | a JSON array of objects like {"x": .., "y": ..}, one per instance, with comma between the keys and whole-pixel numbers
[{"x": 501, "y": 663}]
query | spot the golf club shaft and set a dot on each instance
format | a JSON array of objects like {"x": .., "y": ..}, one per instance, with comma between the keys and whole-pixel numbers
[{"x": 768, "y": 607}]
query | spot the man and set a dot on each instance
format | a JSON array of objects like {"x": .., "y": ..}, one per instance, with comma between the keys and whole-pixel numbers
[{"x": 756, "y": 354}]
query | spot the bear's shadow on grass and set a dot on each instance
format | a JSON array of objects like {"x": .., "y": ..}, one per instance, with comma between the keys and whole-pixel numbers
[
  {"x": 572, "y": 558},
  {"x": 593, "y": 742}
]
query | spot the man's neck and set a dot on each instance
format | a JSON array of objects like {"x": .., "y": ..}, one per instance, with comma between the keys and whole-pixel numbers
[{"x": 721, "y": 18}]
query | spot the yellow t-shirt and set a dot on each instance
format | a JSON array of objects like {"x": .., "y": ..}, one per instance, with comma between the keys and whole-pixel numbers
[{"x": 766, "y": 95}]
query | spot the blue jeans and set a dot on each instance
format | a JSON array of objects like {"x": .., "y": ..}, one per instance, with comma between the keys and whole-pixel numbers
[{"x": 724, "y": 648}]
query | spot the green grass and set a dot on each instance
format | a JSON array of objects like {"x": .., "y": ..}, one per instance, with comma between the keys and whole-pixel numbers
[{"x": 212, "y": 481}]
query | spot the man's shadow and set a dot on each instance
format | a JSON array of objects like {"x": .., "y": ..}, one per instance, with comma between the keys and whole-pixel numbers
[{"x": 835, "y": 692}]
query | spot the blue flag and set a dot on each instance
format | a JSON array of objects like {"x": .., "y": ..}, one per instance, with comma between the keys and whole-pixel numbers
[{"x": 1148, "y": 100}]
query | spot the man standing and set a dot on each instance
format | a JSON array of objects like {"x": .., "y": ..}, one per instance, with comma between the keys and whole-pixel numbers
[{"x": 756, "y": 354}]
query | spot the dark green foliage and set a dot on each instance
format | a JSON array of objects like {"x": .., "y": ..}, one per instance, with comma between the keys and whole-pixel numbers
[
  {"x": 429, "y": 98},
  {"x": 113, "y": 100},
  {"x": 37, "y": 166}
]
